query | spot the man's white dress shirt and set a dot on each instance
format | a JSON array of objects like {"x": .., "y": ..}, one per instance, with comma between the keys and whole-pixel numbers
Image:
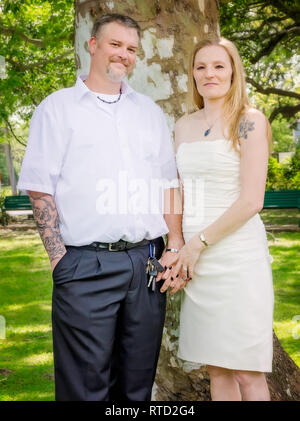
[{"x": 105, "y": 164}]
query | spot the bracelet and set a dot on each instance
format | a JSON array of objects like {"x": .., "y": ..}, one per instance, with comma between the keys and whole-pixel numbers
[
  {"x": 202, "y": 238},
  {"x": 173, "y": 250}
]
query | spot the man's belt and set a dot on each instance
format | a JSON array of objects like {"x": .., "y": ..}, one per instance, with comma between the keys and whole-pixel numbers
[{"x": 118, "y": 246}]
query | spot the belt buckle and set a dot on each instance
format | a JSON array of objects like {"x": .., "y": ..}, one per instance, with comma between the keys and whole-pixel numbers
[{"x": 115, "y": 247}]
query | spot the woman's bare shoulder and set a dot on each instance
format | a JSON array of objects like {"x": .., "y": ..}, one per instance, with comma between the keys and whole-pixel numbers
[
  {"x": 254, "y": 113},
  {"x": 182, "y": 120},
  {"x": 180, "y": 129},
  {"x": 186, "y": 119},
  {"x": 251, "y": 121}
]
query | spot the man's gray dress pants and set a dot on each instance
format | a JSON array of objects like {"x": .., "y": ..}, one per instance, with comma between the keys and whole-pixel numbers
[{"x": 107, "y": 324}]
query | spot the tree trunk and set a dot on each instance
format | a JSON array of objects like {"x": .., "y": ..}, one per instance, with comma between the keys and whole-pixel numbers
[
  {"x": 169, "y": 30},
  {"x": 11, "y": 170}
]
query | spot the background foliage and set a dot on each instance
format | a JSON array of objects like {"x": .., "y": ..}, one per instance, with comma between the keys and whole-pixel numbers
[
  {"x": 267, "y": 36},
  {"x": 36, "y": 41},
  {"x": 285, "y": 175}
]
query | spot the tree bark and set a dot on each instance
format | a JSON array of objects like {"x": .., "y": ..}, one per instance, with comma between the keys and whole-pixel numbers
[
  {"x": 170, "y": 28},
  {"x": 10, "y": 166}
]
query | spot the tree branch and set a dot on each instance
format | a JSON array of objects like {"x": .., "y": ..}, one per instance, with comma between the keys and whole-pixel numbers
[
  {"x": 40, "y": 43},
  {"x": 271, "y": 90},
  {"x": 255, "y": 4},
  {"x": 291, "y": 9},
  {"x": 22, "y": 67},
  {"x": 274, "y": 41},
  {"x": 252, "y": 33},
  {"x": 286, "y": 111},
  {"x": 15, "y": 31},
  {"x": 13, "y": 133}
]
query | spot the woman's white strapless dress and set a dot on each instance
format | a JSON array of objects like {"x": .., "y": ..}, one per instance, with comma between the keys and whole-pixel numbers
[{"x": 227, "y": 308}]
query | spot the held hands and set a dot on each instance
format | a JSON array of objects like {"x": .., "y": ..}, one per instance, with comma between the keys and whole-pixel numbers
[
  {"x": 180, "y": 267},
  {"x": 168, "y": 258}
]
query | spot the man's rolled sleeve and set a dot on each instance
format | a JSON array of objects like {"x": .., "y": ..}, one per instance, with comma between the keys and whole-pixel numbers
[{"x": 44, "y": 152}]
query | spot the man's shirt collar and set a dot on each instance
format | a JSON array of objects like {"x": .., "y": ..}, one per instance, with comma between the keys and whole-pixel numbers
[{"x": 81, "y": 89}]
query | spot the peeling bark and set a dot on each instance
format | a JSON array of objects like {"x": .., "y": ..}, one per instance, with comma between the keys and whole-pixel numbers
[{"x": 169, "y": 30}]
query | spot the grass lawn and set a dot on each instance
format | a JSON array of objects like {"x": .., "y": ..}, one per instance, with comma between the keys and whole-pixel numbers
[
  {"x": 285, "y": 249},
  {"x": 26, "y": 363},
  {"x": 280, "y": 216}
]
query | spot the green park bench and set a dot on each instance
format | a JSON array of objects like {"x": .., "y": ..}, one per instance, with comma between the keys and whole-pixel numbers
[
  {"x": 282, "y": 199},
  {"x": 21, "y": 202}
]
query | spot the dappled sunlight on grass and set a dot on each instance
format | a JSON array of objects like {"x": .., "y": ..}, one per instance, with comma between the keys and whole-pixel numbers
[
  {"x": 280, "y": 216},
  {"x": 289, "y": 328},
  {"x": 30, "y": 329},
  {"x": 26, "y": 360},
  {"x": 286, "y": 269},
  {"x": 286, "y": 240},
  {"x": 29, "y": 239},
  {"x": 14, "y": 353},
  {"x": 289, "y": 333},
  {"x": 20, "y": 307},
  {"x": 34, "y": 314},
  {"x": 283, "y": 242},
  {"x": 27, "y": 381},
  {"x": 43, "y": 358},
  {"x": 28, "y": 397},
  {"x": 13, "y": 307},
  {"x": 46, "y": 307}
]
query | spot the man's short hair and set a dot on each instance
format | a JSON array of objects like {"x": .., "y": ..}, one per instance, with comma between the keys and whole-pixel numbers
[{"x": 114, "y": 17}]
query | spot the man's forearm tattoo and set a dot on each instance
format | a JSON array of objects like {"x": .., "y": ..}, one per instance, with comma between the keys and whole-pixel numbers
[
  {"x": 46, "y": 217},
  {"x": 245, "y": 127}
]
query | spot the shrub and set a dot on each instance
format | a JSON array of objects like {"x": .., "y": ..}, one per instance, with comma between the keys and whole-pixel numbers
[{"x": 284, "y": 175}]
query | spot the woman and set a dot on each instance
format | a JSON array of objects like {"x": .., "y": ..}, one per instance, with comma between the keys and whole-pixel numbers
[{"x": 222, "y": 157}]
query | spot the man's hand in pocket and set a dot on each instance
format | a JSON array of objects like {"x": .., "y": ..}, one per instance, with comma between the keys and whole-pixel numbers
[{"x": 54, "y": 262}]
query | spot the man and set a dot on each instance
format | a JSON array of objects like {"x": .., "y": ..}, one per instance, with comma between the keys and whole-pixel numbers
[{"x": 92, "y": 155}]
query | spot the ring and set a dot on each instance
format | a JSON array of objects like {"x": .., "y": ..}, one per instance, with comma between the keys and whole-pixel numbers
[{"x": 184, "y": 279}]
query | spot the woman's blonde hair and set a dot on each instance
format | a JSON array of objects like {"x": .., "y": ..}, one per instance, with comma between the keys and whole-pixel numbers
[{"x": 236, "y": 100}]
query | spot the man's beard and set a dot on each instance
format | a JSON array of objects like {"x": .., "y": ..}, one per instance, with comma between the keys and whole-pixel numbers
[{"x": 115, "y": 76}]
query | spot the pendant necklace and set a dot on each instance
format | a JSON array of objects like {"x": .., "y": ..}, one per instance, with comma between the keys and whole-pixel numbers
[
  {"x": 111, "y": 102},
  {"x": 206, "y": 133}
]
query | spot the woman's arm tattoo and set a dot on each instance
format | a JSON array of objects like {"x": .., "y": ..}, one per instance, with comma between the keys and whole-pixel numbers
[
  {"x": 245, "y": 127},
  {"x": 46, "y": 217}
]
